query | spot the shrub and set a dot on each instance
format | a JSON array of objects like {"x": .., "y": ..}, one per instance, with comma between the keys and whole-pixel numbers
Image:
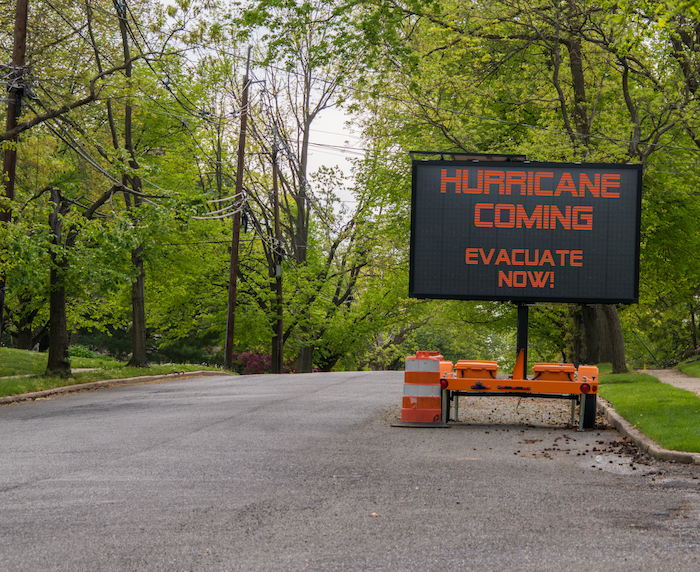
[
  {"x": 82, "y": 351},
  {"x": 248, "y": 362}
]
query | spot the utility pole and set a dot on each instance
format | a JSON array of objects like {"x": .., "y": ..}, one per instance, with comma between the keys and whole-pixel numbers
[
  {"x": 15, "y": 90},
  {"x": 278, "y": 358},
  {"x": 238, "y": 202}
]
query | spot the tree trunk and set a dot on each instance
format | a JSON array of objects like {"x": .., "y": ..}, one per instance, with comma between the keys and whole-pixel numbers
[
  {"x": 578, "y": 349},
  {"x": 24, "y": 325},
  {"x": 600, "y": 345},
  {"x": 138, "y": 312},
  {"x": 617, "y": 341},
  {"x": 305, "y": 359},
  {"x": 58, "y": 359},
  {"x": 579, "y": 85},
  {"x": 604, "y": 336},
  {"x": 138, "y": 288},
  {"x": 276, "y": 366},
  {"x": 591, "y": 328},
  {"x": 24, "y": 333}
]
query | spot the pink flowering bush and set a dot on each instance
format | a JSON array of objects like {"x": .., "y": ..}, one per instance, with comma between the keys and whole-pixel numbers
[{"x": 250, "y": 362}]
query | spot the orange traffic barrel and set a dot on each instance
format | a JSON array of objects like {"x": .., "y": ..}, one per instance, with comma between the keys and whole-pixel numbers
[{"x": 422, "y": 394}]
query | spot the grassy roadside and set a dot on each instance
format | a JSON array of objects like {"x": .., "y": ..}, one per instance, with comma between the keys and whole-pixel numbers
[
  {"x": 668, "y": 415},
  {"x": 691, "y": 368},
  {"x": 31, "y": 366}
]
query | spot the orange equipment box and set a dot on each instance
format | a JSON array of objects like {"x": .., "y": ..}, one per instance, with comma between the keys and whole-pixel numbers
[
  {"x": 476, "y": 369},
  {"x": 446, "y": 369},
  {"x": 590, "y": 372},
  {"x": 554, "y": 371}
]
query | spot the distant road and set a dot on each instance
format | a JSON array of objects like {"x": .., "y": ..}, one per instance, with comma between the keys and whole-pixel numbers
[{"x": 304, "y": 472}]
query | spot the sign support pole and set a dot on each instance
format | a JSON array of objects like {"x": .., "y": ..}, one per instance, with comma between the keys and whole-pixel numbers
[{"x": 521, "y": 343}]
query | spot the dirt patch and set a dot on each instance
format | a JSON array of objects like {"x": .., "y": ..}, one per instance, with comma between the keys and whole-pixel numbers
[{"x": 534, "y": 412}]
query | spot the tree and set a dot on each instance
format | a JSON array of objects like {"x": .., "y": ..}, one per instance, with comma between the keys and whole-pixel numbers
[
  {"x": 535, "y": 78},
  {"x": 59, "y": 40},
  {"x": 64, "y": 233},
  {"x": 308, "y": 42},
  {"x": 80, "y": 67}
]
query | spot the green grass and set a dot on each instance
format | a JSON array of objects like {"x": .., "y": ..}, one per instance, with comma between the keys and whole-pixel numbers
[
  {"x": 21, "y": 362},
  {"x": 669, "y": 415},
  {"x": 691, "y": 368},
  {"x": 604, "y": 368},
  {"x": 102, "y": 361},
  {"x": 33, "y": 364}
]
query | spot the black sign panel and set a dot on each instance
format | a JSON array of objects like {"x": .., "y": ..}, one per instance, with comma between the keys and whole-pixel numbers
[{"x": 525, "y": 231}]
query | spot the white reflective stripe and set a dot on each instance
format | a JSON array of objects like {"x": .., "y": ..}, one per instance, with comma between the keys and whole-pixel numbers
[
  {"x": 422, "y": 390},
  {"x": 422, "y": 365}
]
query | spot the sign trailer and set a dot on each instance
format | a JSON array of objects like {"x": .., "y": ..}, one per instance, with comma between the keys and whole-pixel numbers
[{"x": 525, "y": 232}]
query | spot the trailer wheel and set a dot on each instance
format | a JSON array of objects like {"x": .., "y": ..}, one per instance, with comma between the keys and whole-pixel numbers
[{"x": 589, "y": 411}]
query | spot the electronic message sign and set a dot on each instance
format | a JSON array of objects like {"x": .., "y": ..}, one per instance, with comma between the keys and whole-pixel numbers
[{"x": 525, "y": 231}]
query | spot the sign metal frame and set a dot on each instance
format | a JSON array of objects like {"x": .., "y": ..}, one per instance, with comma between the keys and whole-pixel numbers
[{"x": 480, "y": 230}]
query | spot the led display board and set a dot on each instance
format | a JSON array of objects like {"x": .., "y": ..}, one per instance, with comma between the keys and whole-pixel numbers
[{"x": 525, "y": 231}]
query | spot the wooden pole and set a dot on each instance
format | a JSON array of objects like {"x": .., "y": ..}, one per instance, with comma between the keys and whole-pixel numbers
[
  {"x": 14, "y": 101},
  {"x": 238, "y": 202},
  {"x": 279, "y": 349}
]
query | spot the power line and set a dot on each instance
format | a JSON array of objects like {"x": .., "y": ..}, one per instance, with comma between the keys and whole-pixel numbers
[
  {"x": 192, "y": 109},
  {"x": 395, "y": 99}
]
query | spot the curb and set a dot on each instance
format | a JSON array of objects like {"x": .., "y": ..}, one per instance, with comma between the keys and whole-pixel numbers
[
  {"x": 644, "y": 443},
  {"x": 104, "y": 384}
]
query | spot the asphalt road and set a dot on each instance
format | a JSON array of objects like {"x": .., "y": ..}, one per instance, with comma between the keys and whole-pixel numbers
[{"x": 305, "y": 472}]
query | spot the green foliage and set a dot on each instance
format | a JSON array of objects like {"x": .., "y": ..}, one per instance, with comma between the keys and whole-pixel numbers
[
  {"x": 316, "y": 34},
  {"x": 456, "y": 76},
  {"x": 98, "y": 271},
  {"x": 78, "y": 351},
  {"x": 429, "y": 76},
  {"x": 667, "y": 414},
  {"x": 551, "y": 335}
]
